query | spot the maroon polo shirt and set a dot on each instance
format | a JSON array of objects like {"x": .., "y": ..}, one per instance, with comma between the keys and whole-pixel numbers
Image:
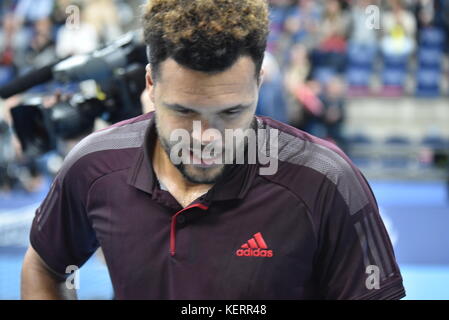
[{"x": 309, "y": 231}]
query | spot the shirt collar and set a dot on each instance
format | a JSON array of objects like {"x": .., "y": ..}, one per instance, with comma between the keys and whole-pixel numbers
[{"x": 141, "y": 174}]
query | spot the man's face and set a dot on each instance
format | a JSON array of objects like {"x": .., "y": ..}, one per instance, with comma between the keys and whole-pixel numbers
[{"x": 225, "y": 100}]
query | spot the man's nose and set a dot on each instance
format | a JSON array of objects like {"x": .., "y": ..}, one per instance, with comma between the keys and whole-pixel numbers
[{"x": 206, "y": 130}]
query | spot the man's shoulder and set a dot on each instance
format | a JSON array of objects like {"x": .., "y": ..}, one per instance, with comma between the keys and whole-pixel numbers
[
  {"x": 299, "y": 148},
  {"x": 308, "y": 164},
  {"x": 106, "y": 150}
]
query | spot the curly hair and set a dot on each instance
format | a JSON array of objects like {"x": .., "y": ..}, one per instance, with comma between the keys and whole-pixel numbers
[{"x": 205, "y": 35}]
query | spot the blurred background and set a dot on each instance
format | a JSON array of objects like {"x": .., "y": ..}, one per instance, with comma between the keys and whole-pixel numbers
[{"x": 371, "y": 76}]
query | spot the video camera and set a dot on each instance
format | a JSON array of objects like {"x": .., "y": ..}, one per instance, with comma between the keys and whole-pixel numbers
[{"x": 114, "y": 77}]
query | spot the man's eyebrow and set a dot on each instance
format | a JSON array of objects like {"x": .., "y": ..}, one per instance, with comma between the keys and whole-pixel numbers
[{"x": 176, "y": 106}]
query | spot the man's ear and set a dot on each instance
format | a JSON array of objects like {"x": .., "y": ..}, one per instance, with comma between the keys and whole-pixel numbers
[
  {"x": 149, "y": 82},
  {"x": 261, "y": 77}
]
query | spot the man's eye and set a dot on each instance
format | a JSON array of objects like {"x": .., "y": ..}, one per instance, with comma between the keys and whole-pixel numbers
[
  {"x": 184, "y": 111},
  {"x": 231, "y": 112}
]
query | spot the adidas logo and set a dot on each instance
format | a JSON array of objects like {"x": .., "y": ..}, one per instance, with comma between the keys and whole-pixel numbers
[{"x": 255, "y": 247}]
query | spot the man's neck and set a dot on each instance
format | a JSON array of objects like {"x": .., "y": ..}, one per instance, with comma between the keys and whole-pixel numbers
[{"x": 183, "y": 190}]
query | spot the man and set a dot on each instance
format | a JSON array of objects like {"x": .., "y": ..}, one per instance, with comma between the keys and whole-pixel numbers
[{"x": 304, "y": 227}]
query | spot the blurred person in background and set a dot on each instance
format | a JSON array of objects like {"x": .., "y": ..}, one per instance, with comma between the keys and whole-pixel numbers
[
  {"x": 70, "y": 36},
  {"x": 103, "y": 16},
  {"x": 61, "y": 10},
  {"x": 17, "y": 171},
  {"x": 7, "y": 6},
  {"x": 6, "y": 156},
  {"x": 317, "y": 108},
  {"x": 31, "y": 11},
  {"x": 361, "y": 37},
  {"x": 13, "y": 40},
  {"x": 442, "y": 14},
  {"x": 399, "y": 31},
  {"x": 303, "y": 22},
  {"x": 442, "y": 19},
  {"x": 99, "y": 24},
  {"x": 333, "y": 114},
  {"x": 7, "y": 39},
  {"x": 271, "y": 95},
  {"x": 279, "y": 10},
  {"x": 332, "y": 34},
  {"x": 41, "y": 50},
  {"x": 295, "y": 75},
  {"x": 303, "y": 105},
  {"x": 8, "y": 45},
  {"x": 424, "y": 11},
  {"x": 27, "y": 34}
]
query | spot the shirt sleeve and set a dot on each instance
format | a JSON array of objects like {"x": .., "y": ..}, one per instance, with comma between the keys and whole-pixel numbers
[
  {"x": 61, "y": 232},
  {"x": 355, "y": 258}
]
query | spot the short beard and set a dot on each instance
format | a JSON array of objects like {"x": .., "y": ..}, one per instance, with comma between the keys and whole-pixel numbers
[
  {"x": 182, "y": 168},
  {"x": 192, "y": 179}
]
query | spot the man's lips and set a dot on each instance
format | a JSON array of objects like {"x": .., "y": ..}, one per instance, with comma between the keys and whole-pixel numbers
[{"x": 199, "y": 159}]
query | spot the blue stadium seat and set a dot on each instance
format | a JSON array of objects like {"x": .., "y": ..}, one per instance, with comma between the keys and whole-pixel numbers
[
  {"x": 355, "y": 142},
  {"x": 395, "y": 62},
  {"x": 396, "y": 160},
  {"x": 358, "y": 77},
  {"x": 362, "y": 57},
  {"x": 432, "y": 38},
  {"x": 393, "y": 77},
  {"x": 397, "y": 141},
  {"x": 359, "y": 139},
  {"x": 435, "y": 142},
  {"x": 323, "y": 74},
  {"x": 428, "y": 83},
  {"x": 6, "y": 74},
  {"x": 394, "y": 74},
  {"x": 362, "y": 162},
  {"x": 430, "y": 58}
]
